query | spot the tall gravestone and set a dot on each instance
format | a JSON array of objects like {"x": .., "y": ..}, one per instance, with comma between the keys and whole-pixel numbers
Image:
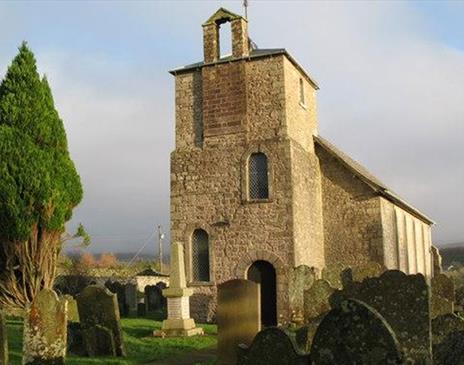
[
  {"x": 131, "y": 296},
  {"x": 272, "y": 346},
  {"x": 100, "y": 322},
  {"x": 45, "y": 330},
  {"x": 238, "y": 317},
  {"x": 120, "y": 291},
  {"x": 178, "y": 295},
  {"x": 154, "y": 298},
  {"x": 443, "y": 295},
  {"x": 354, "y": 333},
  {"x": 404, "y": 301},
  {"x": 317, "y": 299},
  {"x": 301, "y": 279},
  {"x": 3, "y": 341}
]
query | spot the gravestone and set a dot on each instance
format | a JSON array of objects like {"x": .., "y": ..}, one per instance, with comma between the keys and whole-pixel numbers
[
  {"x": 443, "y": 295},
  {"x": 366, "y": 270},
  {"x": 45, "y": 329},
  {"x": 178, "y": 322},
  {"x": 141, "y": 309},
  {"x": 304, "y": 335},
  {"x": 131, "y": 296},
  {"x": 443, "y": 325},
  {"x": 99, "y": 316},
  {"x": 403, "y": 300},
  {"x": 154, "y": 299},
  {"x": 272, "y": 346},
  {"x": 120, "y": 291},
  {"x": 354, "y": 333},
  {"x": 316, "y": 299},
  {"x": 73, "y": 314},
  {"x": 301, "y": 279},
  {"x": 450, "y": 351},
  {"x": 3, "y": 341},
  {"x": 238, "y": 317},
  {"x": 333, "y": 275},
  {"x": 436, "y": 261}
]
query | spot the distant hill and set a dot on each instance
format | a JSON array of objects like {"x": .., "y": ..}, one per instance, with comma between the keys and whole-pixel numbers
[{"x": 452, "y": 254}]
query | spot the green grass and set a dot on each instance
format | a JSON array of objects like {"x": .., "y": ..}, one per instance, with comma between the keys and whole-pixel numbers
[{"x": 141, "y": 347}]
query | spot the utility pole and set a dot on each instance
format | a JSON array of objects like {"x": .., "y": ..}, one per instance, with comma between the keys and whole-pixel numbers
[
  {"x": 160, "y": 242},
  {"x": 245, "y": 5}
]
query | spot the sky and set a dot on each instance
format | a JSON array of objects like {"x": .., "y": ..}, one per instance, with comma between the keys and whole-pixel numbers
[{"x": 391, "y": 77}]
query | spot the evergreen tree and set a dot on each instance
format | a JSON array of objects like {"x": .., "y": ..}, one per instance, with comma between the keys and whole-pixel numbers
[{"x": 39, "y": 185}]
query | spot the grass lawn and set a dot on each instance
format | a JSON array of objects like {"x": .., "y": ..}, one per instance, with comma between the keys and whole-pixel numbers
[{"x": 141, "y": 347}]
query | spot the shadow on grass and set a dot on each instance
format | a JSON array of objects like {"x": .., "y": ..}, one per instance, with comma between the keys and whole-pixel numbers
[{"x": 141, "y": 346}]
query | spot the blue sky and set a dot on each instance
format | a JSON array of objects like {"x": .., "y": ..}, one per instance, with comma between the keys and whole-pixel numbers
[{"x": 391, "y": 77}]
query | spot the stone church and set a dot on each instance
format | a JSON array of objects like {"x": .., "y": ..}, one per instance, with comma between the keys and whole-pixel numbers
[{"x": 256, "y": 191}]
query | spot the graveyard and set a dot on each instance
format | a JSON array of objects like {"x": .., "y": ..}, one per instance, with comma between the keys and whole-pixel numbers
[{"x": 283, "y": 250}]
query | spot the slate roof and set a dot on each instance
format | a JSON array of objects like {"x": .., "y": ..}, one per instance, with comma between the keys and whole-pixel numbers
[{"x": 367, "y": 177}]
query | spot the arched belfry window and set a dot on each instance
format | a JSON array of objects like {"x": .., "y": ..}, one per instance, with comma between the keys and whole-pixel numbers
[
  {"x": 200, "y": 255},
  {"x": 258, "y": 184}
]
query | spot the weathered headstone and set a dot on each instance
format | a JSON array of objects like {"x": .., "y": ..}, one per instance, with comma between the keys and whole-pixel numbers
[
  {"x": 304, "y": 335},
  {"x": 301, "y": 279},
  {"x": 272, "y": 346},
  {"x": 178, "y": 322},
  {"x": 238, "y": 317},
  {"x": 354, "y": 333},
  {"x": 450, "y": 350},
  {"x": 443, "y": 325},
  {"x": 154, "y": 299},
  {"x": 73, "y": 314},
  {"x": 120, "y": 291},
  {"x": 131, "y": 296},
  {"x": 75, "y": 343},
  {"x": 443, "y": 295},
  {"x": 3, "y": 341},
  {"x": 45, "y": 330},
  {"x": 404, "y": 301},
  {"x": 366, "y": 270},
  {"x": 316, "y": 299},
  {"x": 333, "y": 275},
  {"x": 141, "y": 309},
  {"x": 436, "y": 261},
  {"x": 99, "y": 316}
]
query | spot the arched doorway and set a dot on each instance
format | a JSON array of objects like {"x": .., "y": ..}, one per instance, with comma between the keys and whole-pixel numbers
[{"x": 263, "y": 272}]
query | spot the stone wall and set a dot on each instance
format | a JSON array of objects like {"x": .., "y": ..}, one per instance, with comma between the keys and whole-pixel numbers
[{"x": 351, "y": 214}]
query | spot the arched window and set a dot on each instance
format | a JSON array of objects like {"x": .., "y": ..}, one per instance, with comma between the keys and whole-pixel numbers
[
  {"x": 257, "y": 176},
  {"x": 200, "y": 255}
]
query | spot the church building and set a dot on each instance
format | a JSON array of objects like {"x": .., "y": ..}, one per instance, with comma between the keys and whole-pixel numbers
[{"x": 256, "y": 191}]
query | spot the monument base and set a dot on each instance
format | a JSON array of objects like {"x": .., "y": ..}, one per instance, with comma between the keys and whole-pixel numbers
[{"x": 179, "y": 328}]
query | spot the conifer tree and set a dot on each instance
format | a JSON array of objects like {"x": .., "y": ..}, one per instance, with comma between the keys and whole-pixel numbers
[{"x": 39, "y": 185}]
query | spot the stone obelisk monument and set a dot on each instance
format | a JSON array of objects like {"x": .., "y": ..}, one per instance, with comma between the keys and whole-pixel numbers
[{"x": 179, "y": 322}]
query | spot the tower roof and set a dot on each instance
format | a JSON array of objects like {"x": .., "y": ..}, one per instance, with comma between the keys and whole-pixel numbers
[
  {"x": 221, "y": 16},
  {"x": 255, "y": 53}
]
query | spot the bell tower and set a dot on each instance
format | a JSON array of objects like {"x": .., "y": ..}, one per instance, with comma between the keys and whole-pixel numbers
[{"x": 245, "y": 181}]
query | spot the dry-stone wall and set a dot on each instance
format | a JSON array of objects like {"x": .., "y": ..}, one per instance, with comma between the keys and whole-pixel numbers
[
  {"x": 404, "y": 301},
  {"x": 354, "y": 333},
  {"x": 45, "y": 330},
  {"x": 100, "y": 322},
  {"x": 3, "y": 341}
]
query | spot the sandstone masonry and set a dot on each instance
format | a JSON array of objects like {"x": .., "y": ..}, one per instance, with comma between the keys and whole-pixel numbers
[{"x": 322, "y": 208}]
